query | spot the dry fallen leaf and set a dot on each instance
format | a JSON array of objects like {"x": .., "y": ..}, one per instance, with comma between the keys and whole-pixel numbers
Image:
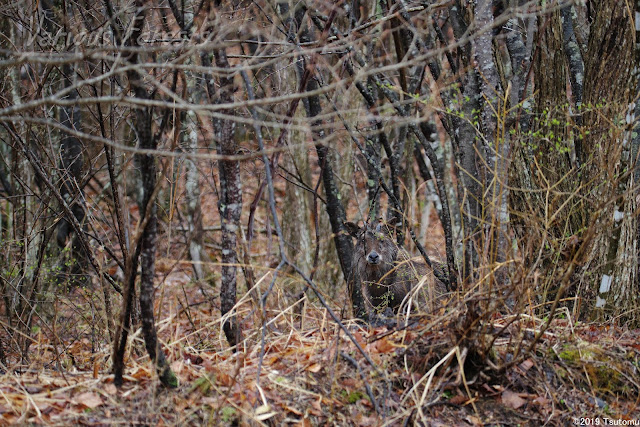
[
  {"x": 526, "y": 365},
  {"x": 110, "y": 388},
  {"x": 541, "y": 400},
  {"x": 316, "y": 407},
  {"x": 367, "y": 420},
  {"x": 292, "y": 410},
  {"x": 177, "y": 366},
  {"x": 305, "y": 422},
  {"x": 89, "y": 399},
  {"x": 141, "y": 373},
  {"x": 384, "y": 346},
  {"x": 458, "y": 400},
  {"x": 315, "y": 368},
  {"x": 474, "y": 421},
  {"x": 512, "y": 400}
]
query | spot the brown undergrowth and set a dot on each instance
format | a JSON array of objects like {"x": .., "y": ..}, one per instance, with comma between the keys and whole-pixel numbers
[{"x": 302, "y": 369}]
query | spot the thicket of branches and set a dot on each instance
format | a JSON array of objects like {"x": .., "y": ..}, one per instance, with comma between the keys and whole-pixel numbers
[{"x": 514, "y": 121}]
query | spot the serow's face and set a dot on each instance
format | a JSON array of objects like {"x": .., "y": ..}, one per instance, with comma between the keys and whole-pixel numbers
[{"x": 377, "y": 245}]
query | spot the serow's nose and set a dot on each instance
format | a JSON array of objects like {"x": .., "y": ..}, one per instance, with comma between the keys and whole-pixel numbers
[{"x": 373, "y": 257}]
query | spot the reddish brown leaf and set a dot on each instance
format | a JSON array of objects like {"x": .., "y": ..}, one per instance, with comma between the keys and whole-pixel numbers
[
  {"x": 541, "y": 401},
  {"x": 512, "y": 400},
  {"x": 384, "y": 346},
  {"x": 141, "y": 373},
  {"x": 458, "y": 400},
  {"x": 305, "y": 422},
  {"x": 315, "y": 368}
]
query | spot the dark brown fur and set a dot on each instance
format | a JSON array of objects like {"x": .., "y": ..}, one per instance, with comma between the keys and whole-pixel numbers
[{"x": 385, "y": 272}]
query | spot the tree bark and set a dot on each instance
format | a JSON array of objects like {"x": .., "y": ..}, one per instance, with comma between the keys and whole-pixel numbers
[
  {"x": 495, "y": 151},
  {"x": 145, "y": 247},
  {"x": 334, "y": 207},
  {"x": 230, "y": 203},
  {"x": 609, "y": 92},
  {"x": 148, "y": 241},
  {"x": 192, "y": 181}
]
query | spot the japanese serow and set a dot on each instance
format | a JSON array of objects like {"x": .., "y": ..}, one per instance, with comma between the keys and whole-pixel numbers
[{"x": 385, "y": 272}]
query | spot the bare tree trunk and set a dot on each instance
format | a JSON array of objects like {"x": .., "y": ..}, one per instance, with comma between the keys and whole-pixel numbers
[
  {"x": 26, "y": 229},
  {"x": 607, "y": 151},
  {"x": 539, "y": 161},
  {"x": 148, "y": 245},
  {"x": 144, "y": 243},
  {"x": 192, "y": 181},
  {"x": 230, "y": 203},
  {"x": 635, "y": 139},
  {"x": 295, "y": 218},
  {"x": 71, "y": 160},
  {"x": 583, "y": 156},
  {"x": 495, "y": 152},
  {"x": 335, "y": 208},
  {"x": 71, "y": 164}
]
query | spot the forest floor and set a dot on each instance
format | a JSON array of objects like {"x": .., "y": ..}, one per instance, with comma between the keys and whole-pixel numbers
[{"x": 304, "y": 370}]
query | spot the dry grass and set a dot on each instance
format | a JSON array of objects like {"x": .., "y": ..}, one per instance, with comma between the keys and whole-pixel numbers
[{"x": 301, "y": 369}]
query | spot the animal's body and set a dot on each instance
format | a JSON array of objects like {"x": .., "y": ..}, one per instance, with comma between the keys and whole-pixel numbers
[{"x": 385, "y": 272}]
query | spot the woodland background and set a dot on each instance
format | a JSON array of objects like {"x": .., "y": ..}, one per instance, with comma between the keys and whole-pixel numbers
[{"x": 176, "y": 174}]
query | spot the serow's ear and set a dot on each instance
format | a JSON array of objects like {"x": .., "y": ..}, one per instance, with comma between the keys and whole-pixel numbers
[{"x": 352, "y": 229}]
